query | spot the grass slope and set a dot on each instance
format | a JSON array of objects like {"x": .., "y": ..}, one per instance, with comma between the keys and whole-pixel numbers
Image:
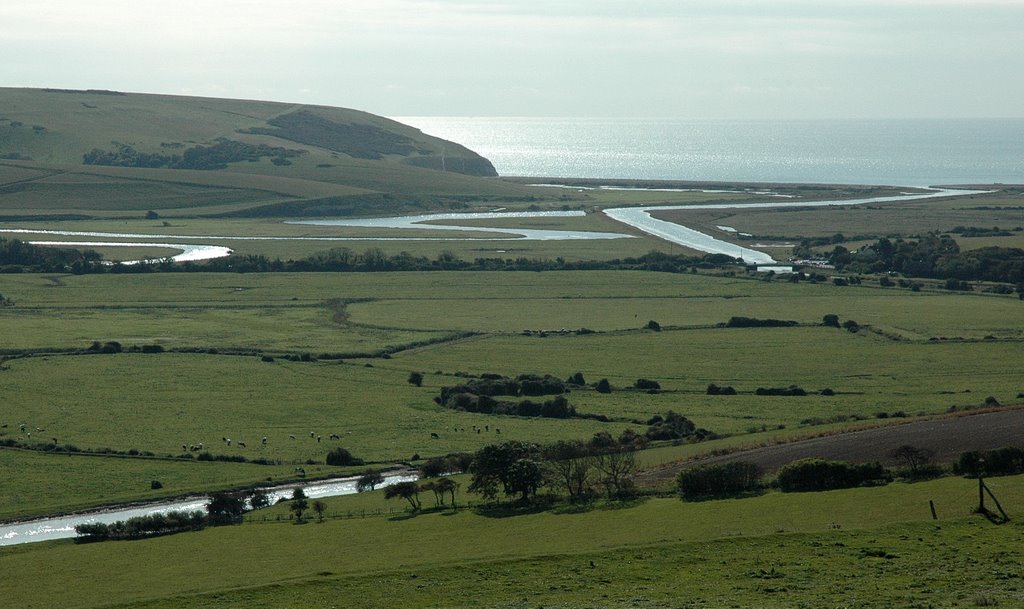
[
  {"x": 347, "y": 159},
  {"x": 775, "y": 550}
]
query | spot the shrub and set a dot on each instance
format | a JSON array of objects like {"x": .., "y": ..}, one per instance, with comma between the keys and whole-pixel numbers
[
  {"x": 790, "y": 391},
  {"x": 999, "y": 462},
  {"x": 341, "y": 457},
  {"x": 576, "y": 379},
  {"x": 831, "y": 320},
  {"x": 821, "y": 475},
  {"x": 603, "y": 386},
  {"x": 752, "y": 322},
  {"x": 156, "y": 484},
  {"x": 714, "y": 389},
  {"x": 653, "y": 325},
  {"x": 646, "y": 384},
  {"x": 717, "y": 481},
  {"x": 416, "y": 378},
  {"x": 152, "y": 348},
  {"x": 851, "y": 326}
]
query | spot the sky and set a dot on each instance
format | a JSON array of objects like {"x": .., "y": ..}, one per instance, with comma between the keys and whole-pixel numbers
[{"x": 760, "y": 59}]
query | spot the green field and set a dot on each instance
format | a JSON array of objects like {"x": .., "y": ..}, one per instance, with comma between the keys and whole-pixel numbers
[
  {"x": 291, "y": 365},
  {"x": 859, "y": 547}
]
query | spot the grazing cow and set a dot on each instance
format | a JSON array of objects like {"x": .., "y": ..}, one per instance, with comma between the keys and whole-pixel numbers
[
  {"x": 311, "y": 434},
  {"x": 229, "y": 441},
  {"x": 335, "y": 436},
  {"x": 264, "y": 440},
  {"x": 434, "y": 435},
  {"x": 496, "y": 430},
  {"x": 300, "y": 470},
  {"x": 241, "y": 445},
  {"x": 54, "y": 441},
  {"x": 292, "y": 436},
  {"x": 318, "y": 438},
  {"x": 184, "y": 448}
]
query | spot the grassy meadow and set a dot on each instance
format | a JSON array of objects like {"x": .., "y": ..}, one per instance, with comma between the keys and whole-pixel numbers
[
  {"x": 777, "y": 550},
  {"x": 290, "y": 366}
]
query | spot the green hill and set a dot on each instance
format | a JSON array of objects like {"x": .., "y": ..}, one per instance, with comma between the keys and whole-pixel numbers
[{"x": 73, "y": 152}]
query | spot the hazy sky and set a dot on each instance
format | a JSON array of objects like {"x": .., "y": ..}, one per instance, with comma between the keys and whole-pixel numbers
[{"x": 671, "y": 58}]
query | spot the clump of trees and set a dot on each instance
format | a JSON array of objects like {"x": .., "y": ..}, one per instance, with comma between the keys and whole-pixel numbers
[
  {"x": 140, "y": 527},
  {"x": 222, "y": 509},
  {"x": 478, "y": 395},
  {"x": 21, "y": 256},
  {"x": 674, "y": 426},
  {"x": 518, "y": 470},
  {"x": 936, "y": 256}
]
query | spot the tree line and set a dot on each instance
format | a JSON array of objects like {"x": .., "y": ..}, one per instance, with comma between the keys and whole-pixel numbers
[{"x": 933, "y": 256}]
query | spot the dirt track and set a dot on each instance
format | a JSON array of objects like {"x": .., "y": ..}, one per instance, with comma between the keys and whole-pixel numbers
[{"x": 947, "y": 437}]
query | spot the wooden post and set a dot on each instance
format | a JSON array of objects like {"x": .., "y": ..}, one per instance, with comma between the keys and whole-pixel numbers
[
  {"x": 931, "y": 504},
  {"x": 981, "y": 495},
  {"x": 999, "y": 507}
]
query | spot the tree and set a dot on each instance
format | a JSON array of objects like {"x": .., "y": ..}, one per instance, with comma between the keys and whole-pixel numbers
[
  {"x": 298, "y": 507},
  {"x": 259, "y": 499},
  {"x": 572, "y": 465},
  {"x": 498, "y": 466},
  {"x": 603, "y": 386},
  {"x": 446, "y": 485},
  {"x": 369, "y": 481},
  {"x": 410, "y": 491},
  {"x": 912, "y": 457},
  {"x": 416, "y": 378},
  {"x": 617, "y": 467},
  {"x": 653, "y": 325},
  {"x": 524, "y": 478},
  {"x": 225, "y": 508},
  {"x": 319, "y": 507}
]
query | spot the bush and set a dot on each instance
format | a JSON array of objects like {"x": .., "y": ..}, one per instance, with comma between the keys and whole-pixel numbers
[
  {"x": 752, "y": 322},
  {"x": 831, "y": 320},
  {"x": 653, "y": 325},
  {"x": 603, "y": 386},
  {"x": 999, "y": 462},
  {"x": 152, "y": 348},
  {"x": 821, "y": 475},
  {"x": 341, "y": 457},
  {"x": 416, "y": 378},
  {"x": 714, "y": 389},
  {"x": 790, "y": 391},
  {"x": 717, "y": 481},
  {"x": 646, "y": 384},
  {"x": 576, "y": 379}
]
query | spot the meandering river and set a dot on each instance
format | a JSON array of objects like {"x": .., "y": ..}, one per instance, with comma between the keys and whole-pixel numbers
[
  {"x": 63, "y": 527},
  {"x": 639, "y": 218}
]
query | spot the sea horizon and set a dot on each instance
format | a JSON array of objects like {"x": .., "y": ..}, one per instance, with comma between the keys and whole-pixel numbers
[{"x": 898, "y": 152}]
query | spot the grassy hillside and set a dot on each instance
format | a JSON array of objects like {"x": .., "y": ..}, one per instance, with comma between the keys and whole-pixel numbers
[{"x": 79, "y": 152}]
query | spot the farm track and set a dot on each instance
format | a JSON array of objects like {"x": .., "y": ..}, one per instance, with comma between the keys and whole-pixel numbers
[{"x": 946, "y": 436}]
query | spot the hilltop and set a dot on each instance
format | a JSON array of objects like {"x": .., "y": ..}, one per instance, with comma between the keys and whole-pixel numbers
[{"x": 85, "y": 151}]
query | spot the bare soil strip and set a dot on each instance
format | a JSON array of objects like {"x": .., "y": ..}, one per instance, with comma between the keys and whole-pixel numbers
[{"x": 946, "y": 436}]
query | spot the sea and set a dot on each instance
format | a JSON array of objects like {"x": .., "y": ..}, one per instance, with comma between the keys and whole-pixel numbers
[{"x": 917, "y": 152}]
